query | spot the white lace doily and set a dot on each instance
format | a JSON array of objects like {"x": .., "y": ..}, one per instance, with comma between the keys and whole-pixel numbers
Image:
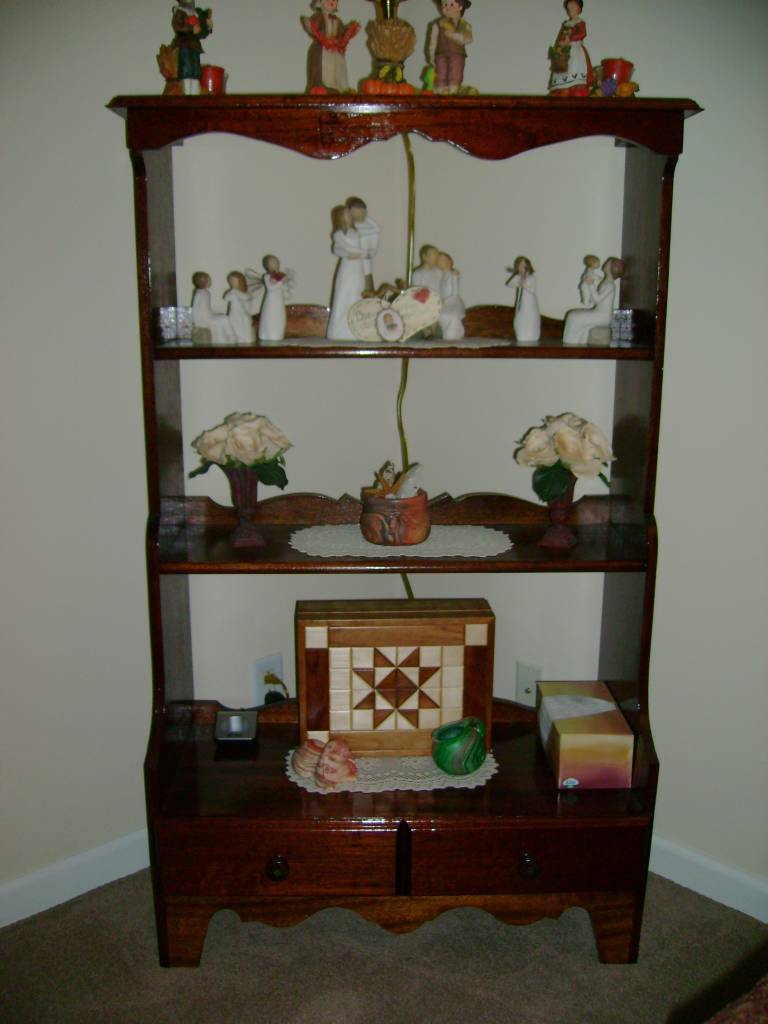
[
  {"x": 382, "y": 774},
  {"x": 443, "y": 542}
]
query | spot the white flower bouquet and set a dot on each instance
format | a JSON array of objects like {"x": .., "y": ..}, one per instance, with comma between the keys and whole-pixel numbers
[
  {"x": 563, "y": 447},
  {"x": 244, "y": 440}
]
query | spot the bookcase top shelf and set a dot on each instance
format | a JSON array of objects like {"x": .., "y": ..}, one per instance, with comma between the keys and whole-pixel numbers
[{"x": 492, "y": 127}]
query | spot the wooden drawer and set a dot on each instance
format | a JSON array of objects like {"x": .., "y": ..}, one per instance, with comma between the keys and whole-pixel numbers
[
  {"x": 490, "y": 861},
  {"x": 235, "y": 859}
]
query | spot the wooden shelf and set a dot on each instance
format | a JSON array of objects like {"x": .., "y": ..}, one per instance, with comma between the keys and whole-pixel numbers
[
  {"x": 193, "y": 536},
  {"x": 489, "y": 329},
  {"x": 492, "y": 127},
  {"x": 469, "y": 348},
  {"x": 204, "y": 779}
]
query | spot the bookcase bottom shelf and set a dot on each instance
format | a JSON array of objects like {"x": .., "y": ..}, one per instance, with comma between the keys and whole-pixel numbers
[{"x": 229, "y": 830}]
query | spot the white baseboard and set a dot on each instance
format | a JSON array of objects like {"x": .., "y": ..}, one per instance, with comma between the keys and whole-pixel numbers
[
  {"x": 69, "y": 878},
  {"x": 733, "y": 888},
  {"x": 66, "y": 879}
]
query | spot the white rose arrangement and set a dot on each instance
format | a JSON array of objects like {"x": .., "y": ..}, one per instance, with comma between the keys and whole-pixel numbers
[
  {"x": 562, "y": 447},
  {"x": 244, "y": 440}
]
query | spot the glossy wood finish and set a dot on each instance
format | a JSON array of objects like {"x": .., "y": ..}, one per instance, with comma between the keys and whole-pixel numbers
[
  {"x": 226, "y": 826},
  {"x": 489, "y": 335},
  {"x": 194, "y": 536},
  {"x": 492, "y": 127},
  {"x": 517, "y": 847}
]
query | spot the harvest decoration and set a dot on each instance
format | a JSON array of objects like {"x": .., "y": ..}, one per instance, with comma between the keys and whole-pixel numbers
[{"x": 391, "y": 41}]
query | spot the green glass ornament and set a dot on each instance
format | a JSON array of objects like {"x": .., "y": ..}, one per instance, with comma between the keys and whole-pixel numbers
[{"x": 459, "y": 747}]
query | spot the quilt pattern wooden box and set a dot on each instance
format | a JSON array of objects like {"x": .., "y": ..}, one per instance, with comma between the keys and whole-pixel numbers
[{"x": 383, "y": 674}]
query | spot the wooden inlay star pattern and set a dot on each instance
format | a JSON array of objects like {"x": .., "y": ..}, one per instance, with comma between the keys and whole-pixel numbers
[{"x": 395, "y": 688}]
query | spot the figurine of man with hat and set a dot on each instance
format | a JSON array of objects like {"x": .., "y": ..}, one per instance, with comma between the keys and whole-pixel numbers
[{"x": 447, "y": 40}]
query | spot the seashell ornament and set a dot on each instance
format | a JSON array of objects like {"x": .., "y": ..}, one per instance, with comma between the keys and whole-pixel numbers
[
  {"x": 336, "y": 765},
  {"x": 306, "y": 757}
]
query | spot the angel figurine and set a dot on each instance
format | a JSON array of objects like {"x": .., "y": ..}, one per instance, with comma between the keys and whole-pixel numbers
[
  {"x": 590, "y": 280},
  {"x": 527, "y": 316},
  {"x": 447, "y": 40},
  {"x": 210, "y": 326},
  {"x": 277, "y": 285},
  {"x": 326, "y": 60},
  {"x": 240, "y": 307},
  {"x": 452, "y": 315}
]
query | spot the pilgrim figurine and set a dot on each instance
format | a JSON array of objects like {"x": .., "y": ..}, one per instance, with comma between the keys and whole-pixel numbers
[
  {"x": 585, "y": 325},
  {"x": 447, "y": 40},
  {"x": 326, "y": 61},
  {"x": 277, "y": 285},
  {"x": 571, "y": 68},
  {"x": 589, "y": 281},
  {"x": 190, "y": 24},
  {"x": 452, "y": 316},
  {"x": 209, "y": 326},
  {"x": 527, "y": 321},
  {"x": 349, "y": 282},
  {"x": 239, "y": 307}
]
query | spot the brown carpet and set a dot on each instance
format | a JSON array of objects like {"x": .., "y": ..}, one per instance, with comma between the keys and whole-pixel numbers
[{"x": 94, "y": 960}]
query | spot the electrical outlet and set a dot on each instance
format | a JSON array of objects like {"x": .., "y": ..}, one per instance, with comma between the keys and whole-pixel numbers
[
  {"x": 259, "y": 669},
  {"x": 526, "y": 677}
]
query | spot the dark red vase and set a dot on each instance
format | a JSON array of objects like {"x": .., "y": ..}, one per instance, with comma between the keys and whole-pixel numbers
[
  {"x": 559, "y": 536},
  {"x": 244, "y": 488}
]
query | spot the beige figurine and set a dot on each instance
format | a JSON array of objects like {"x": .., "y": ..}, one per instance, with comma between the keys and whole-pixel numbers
[
  {"x": 428, "y": 274},
  {"x": 594, "y": 324},
  {"x": 208, "y": 327},
  {"x": 452, "y": 315},
  {"x": 240, "y": 307}
]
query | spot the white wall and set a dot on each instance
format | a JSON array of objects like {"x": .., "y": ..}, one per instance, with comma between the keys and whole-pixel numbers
[{"x": 75, "y": 665}]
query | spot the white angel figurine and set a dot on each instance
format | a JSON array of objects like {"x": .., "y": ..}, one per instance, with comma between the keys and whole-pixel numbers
[
  {"x": 589, "y": 281},
  {"x": 527, "y": 321},
  {"x": 452, "y": 316},
  {"x": 277, "y": 285},
  {"x": 240, "y": 307},
  {"x": 203, "y": 317},
  {"x": 580, "y": 322}
]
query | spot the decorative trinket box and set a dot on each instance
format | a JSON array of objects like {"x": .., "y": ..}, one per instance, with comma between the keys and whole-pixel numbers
[
  {"x": 586, "y": 738},
  {"x": 382, "y": 675}
]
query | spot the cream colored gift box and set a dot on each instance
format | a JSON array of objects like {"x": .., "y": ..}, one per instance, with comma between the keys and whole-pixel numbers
[{"x": 586, "y": 738}]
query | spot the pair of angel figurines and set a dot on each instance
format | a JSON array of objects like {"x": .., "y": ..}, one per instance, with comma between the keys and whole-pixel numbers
[{"x": 246, "y": 292}]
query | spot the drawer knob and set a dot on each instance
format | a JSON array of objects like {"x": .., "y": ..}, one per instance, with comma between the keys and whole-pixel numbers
[
  {"x": 277, "y": 868},
  {"x": 528, "y": 866}
]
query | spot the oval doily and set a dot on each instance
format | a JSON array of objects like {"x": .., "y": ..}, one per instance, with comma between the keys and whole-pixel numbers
[
  {"x": 443, "y": 542},
  {"x": 382, "y": 774}
]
